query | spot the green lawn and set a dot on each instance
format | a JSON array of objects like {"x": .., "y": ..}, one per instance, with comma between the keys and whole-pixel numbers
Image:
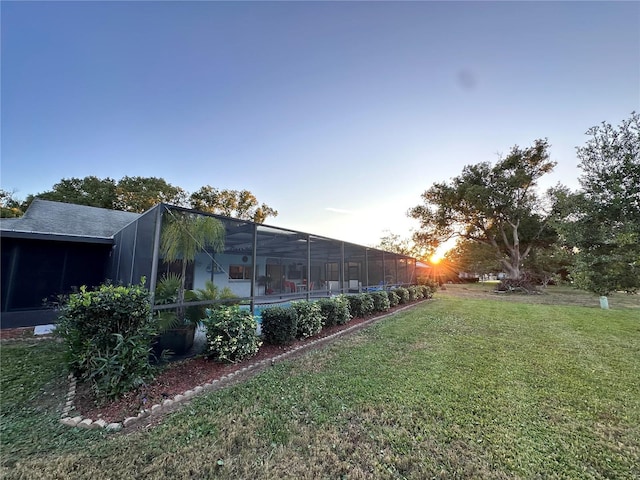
[{"x": 454, "y": 388}]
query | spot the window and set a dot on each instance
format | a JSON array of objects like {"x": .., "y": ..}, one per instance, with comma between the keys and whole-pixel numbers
[
  {"x": 332, "y": 272},
  {"x": 240, "y": 272}
]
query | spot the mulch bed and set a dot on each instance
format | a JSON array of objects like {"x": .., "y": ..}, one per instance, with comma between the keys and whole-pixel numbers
[
  {"x": 177, "y": 377},
  {"x": 17, "y": 333},
  {"x": 180, "y": 376}
]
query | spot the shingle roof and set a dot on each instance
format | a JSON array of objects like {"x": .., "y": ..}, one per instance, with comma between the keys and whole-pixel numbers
[{"x": 55, "y": 218}]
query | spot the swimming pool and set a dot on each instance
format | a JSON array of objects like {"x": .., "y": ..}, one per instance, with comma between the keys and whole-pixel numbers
[{"x": 257, "y": 311}]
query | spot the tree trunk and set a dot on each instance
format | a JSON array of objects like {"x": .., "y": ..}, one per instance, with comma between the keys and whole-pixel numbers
[
  {"x": 512, "y": 268},
  {"x": 512, "y": 264},
  {"x": 183, "y": 282}
]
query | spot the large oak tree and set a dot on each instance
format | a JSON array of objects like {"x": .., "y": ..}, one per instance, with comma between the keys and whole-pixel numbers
[
  {"x": 497, "y": 205},
  {"x": 473, "y": 258}
]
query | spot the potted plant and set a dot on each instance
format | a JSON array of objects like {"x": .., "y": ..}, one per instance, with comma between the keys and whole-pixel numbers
[
  {"x": 183, "y": 235},
  {"x": 176, "y": 334}
]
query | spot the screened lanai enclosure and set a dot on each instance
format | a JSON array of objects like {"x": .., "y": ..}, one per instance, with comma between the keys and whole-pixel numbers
[
  {"x": 260, "y": 264},
  {"x": 57, "y": 247}
]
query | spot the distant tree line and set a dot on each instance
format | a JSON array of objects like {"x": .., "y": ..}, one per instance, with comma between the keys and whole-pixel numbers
[{"x": 138, "y": 194}]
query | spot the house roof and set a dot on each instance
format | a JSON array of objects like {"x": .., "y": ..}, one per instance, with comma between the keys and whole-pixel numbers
[{"x": 46, "y": 218}]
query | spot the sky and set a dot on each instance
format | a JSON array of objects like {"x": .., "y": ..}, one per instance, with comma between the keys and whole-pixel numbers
[{"x": 337, "y": 114}]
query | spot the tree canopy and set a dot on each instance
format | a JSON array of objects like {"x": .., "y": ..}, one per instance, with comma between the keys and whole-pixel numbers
[
  {"x": 392, "y": 242},
  {"x": 231, "y": 203},
  {"x": 602, "y": 222},
  {"x": 473, "y": 257},
  {"x": 495, "y": 205},
  {"x": 139, "y": 194},
  {"x": 91, "y": 191},
  {"x": 9, "y": 206}
]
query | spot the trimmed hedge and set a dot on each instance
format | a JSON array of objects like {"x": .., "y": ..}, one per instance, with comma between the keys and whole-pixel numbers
[
  {"x": 309, "y": 318},
  {"x": 279, "y": 325},
  {"x": 403, "y": 295},
  {"x": 335, "y": 311},
  {"x": 415, "y": 293},
  {"x": 380, "y": 301},
  {"x": 394, "y": 299},
  {"x": 361, "y": 304},
  {"x": 431, "y": 285},
  {"x": 108, "y": 334},
  {"x": 231, "y": 334}
]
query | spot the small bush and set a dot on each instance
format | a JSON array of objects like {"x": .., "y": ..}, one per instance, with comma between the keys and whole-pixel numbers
[
  {"x": 120, "y": 368},
  {"x": 231, "y": 334},
  {"x": 329, "y": 311},
  {"x": 394, "y": 299},
  {"x": 380, "y": 301},
  {"x": 344, "y": 311},
  {"x": 431, "y": 285},
  {"x": 108, "y": 333},
  {"x": 279, "y": 325},
  {"x": 309, "y": 318},
  {"x": 361, "y": 304},
  {"x": 403, "y": 295},
  {"x": 415, "y": 293},
  {"x": 335, "y": 311}
]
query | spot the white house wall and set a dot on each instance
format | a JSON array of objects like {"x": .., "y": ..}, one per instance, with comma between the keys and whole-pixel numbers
[{"x": 219, "y": 274}]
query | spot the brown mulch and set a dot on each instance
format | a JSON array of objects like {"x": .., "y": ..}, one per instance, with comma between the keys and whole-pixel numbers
[
  {"x": 181, "y": 376},
  {"x": 17, "y": 333},
  {"x": 178, "y": 376}
]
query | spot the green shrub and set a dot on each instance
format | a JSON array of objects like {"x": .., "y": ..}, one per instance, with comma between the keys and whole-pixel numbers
[
  {"x": 231, "y": 334},
  {"x": 279, "y": 325},
  {"x": 426, "y": 291},
  {"x": 122, "y": 367},
  {"x": 344, "y": 311},
  {"x": 403, "y": 295},
  {"x": 431, "y": 285},
  {"x": 394, "y": 299},
  {"x": 309, "y": 318},
  {"x": 360, "y": 304},
  {"x": 335, "y": 310},
  {"x": 415, "y": 293},
  {"x": 167, "y": 293},
  {"x": 412, "y": 293},
  {"x": 329, "y": 311},
  {"x": 380, "y": 301},
  {"x": 108, "y": 333}
]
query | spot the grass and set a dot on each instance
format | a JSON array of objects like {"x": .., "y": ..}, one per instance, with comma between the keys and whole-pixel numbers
[
  {"x": 552, "y": 295},
  {"x": 33, "y": 388},
  {"x": 454, "y": 388}
]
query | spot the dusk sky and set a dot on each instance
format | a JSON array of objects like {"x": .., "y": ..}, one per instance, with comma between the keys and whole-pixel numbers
[{"x": 337, "y": 114}]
